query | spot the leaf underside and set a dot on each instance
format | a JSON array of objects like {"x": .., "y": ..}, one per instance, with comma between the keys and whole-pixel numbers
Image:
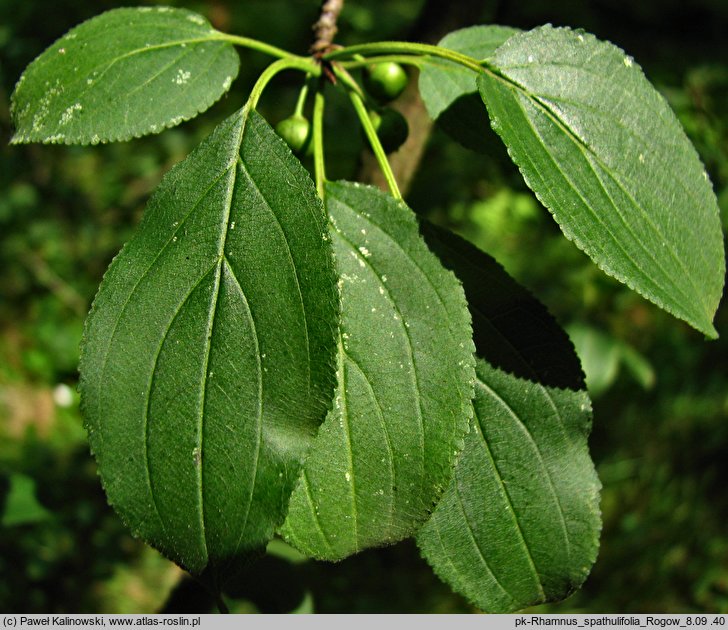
[
  {"x": 519, "y": 524},
  {"x": 208, "y": 359},
  {"x": 123, "y": 74},
  {"x": 450, "y": 91},
  {"x": 405, "y": 369},
  {"x": 605, "y": 154}
]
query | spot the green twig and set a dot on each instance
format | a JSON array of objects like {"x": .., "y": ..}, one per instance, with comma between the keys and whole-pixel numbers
[
  {"x": 292, "y": 63},
  {"x": 355, "y": 94},
  {"x": 254, "y": 44},
  {"x": 302, "y": 96},
  {"x": 405, "y": 48},
  {"x": 409, "y": 60},
  {"x": 318, "y": 141}
]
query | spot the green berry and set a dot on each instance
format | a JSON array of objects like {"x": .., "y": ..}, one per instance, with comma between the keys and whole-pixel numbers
[
  {"x": 296, "y": 131},
  {"x": 391, "y": 127},
  {"x": 385, "y": 81}
]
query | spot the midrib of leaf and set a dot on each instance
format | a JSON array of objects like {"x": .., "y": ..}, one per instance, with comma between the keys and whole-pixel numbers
[
  {"x": 458, "y": 572},
  {"x": 230, "y": 172},
  {"x": 164, "y": 69},
  {"x": 225, "y": 225},
  {"x": 103, "y": 107},
  {"x": 580, "y": 145},
  {"x": 585, "y": 149},
  {"x": 589, "y": 155},
  {"x": 111, "y": 62},
  {"x": 562, "y": 520},
  {"x": 402, "y": 321}
]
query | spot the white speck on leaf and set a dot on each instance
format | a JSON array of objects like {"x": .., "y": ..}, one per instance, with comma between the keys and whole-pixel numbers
[
  {"x": 628, "y": 62},
  {"x": 227, "y": 83},
  {"x": 68, "y": 114},
  {"x": 182, "y": 77},
  {"x": 61, "y": 51}
]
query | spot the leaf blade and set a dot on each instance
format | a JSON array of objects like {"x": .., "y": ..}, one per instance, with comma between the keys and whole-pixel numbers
[
  {"x": 605, "y": 154},
  {"x": 519, "y": 523},
  {"x": 385, "y": 452},
  {"x": 190, "y": 383},
  {"x": 123, "y": 74},
  {"x": 450, "y": 91}
]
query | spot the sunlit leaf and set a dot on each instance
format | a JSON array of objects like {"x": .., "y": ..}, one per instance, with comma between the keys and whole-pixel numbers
[
  {"x": 605, "y": 154},
  {"x": 405, "y": 368},
  {"x": 123, "y": 74}
]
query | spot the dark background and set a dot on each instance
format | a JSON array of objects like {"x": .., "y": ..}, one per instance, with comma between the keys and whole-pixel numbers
[{"x": 660, "y": 438}]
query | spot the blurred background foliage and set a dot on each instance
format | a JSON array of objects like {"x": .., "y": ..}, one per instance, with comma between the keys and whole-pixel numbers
[{"x": 660, "y": 438}]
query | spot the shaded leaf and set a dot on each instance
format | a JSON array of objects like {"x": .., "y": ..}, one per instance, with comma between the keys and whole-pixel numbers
[
  {"x": 450, "y": 91},
  {"x": 385, "y": 452},
  {"x": 209, "y": 354},
  {"x": 123, "y": 74},
  {"x": 605, "y": 154},
  {"x": 519, "y": 524},
  {"x": 512, "y": 330}
]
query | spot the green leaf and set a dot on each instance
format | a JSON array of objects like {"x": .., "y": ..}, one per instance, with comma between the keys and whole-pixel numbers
[
  {"x": 123, "y": 74},
  {"x": 405, "y": 370},
  {"x": 209, "y": 354},
  {"x": 450, "y": 91},
  {"x": 605, "y": 154},
  {"x": 519, "y": 524}
]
